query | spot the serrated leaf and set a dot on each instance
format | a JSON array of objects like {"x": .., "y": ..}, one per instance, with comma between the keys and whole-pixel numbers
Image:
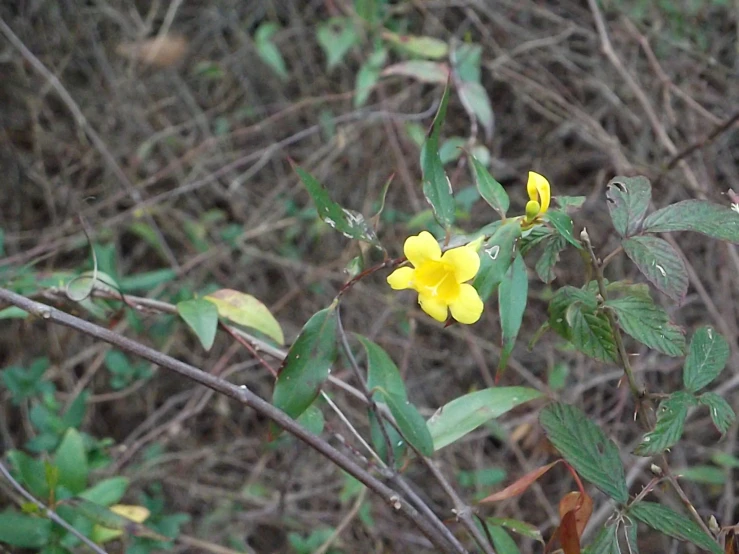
[
  {"x": 307, "y": 364},
  {"x": 663, "y": 519},
  {"x": 722, "y": 414},
  {"x": 201, "y": 316},
  {"x": 502, "y": 541},
  {"x": 410, "y": 422},
  {"x": 562, "y": 223},
  {"x": 71, "y": 461},
  {"x": 549, "y": 258},
  {"x": 648, "y": 323},
  {"x": 246, "y": 310},
  {"x": 671, "y": 416},
  {"x": 349, "y": 223},
  {"x": 591, "y": 333},
  {"x": 586, "y": 448},
  {"x": 707, "y": 356},
  {"x": 628, "y": 201},
  {"x": 436, "y": 185},
  {"x": 463, "y": 415},
  {"x": 382, "y": 373},
  {"x": 476, "y": 102},
  {"x": 421, "y": 46},
  {"x": 336, "y": 37},
  {"x": 491, "y": 190},
  {"x": 512, "y": 297},
  {"x": 714, "y": 220},
  {"x": 660, "y": 263},
  {"x": 605, "y": 542},
  {"x": 421, "y": 70},
  {"x": 496, "y": 257},
  {"x": 560, "y": 303},
  {"x": 24, "y": 531}
]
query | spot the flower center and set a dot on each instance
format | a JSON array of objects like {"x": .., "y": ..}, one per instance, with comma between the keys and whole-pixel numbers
[{"x": 437, "y": 279}]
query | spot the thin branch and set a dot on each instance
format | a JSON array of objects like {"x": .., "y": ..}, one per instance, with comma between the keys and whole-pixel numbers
[
  {"x": 48, "y": 512},
  {"x": 242, "y": 395}
]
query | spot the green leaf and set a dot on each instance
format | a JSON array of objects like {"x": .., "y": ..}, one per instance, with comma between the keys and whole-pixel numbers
[
  {"x": 667, "y": 431},
  {"x": 591, "y": 333},
  {"x": 660, "y": 263},
  {"x": 421, "y": 46},
  {"x": 714, "y": 220},
  {"x": 378, "y": 439},
  {"x": 707, "y": 356},
  {"x": 491, "y": 190},
  {"x": 586, "y": 448},
  {"x": 648, "y": 323},
  {"x": 570, "y": 202},
  {"x": 663, "y": 519},
  {"x": 71, "y": 460},
  {"x": 502, "y": 541},
  {"x": 421, "y": 70},
  {"x": 436, "y": 185},
  {"x": 605, "y": 542},
  {"x": 24, "y": 531},
  {"x": 628, "y": 201},
  {"x": 562, "y": 223},
  {"x": 553, "y": 245},
  {"x": 349, "y": 223},
  {"x": 30, "y": 472},
  {"x": 410, "y": 422},
  {"x": 463, "y": 415},
  {"x": 466, "y": 58},
  {"x": 516, "y": 526},
  {"x": 146, "y": 281},
  {"x": 512, "y": 297},
  {"x": 81, "y": 287},
  {"x": 307, "y": 364},
  {"x": 722, "y": 414},
  {"x": 706, "y": 475},
  {"x": 312, "y": 419},
  {"x": 268, "y": 51},
  {"x": 476, "y": 102},
  {"x": 246, "y": 310},
  {"x": 382, "y": 373},
  {"x": 26, "y": 383},
  {"x": 107, "y": 492},
  {"x": 13, "y": 312},
  {"x": 367, "y": 76},
  {"x": 496, "y": 257},
  {"x": 560, "y": 303},
  {"x": 202, "y": 317},
  {"x": 336, "y": 37}
]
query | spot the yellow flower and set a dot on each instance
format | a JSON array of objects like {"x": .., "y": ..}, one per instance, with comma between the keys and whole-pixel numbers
[
  {"x": 539, "y": 195},
  {"x": 440, "y": 278}
]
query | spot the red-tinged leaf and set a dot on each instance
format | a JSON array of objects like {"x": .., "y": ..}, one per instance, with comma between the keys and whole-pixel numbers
[
  {"x": 732, "y": 545},
  {"x": 519, "y": 486},
  {"x": 568, "y": 534},
  {"x": 581, "y": 505}
]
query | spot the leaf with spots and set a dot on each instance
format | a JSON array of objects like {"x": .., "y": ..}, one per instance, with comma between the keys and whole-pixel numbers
[
  {"x": 628, "y": 201},
  {"x": 722, "y": 414},
  {"x": 660, "y": 263},
  {"x": 648, "y": 323},
  {"x": 349, "y": 223},
  {"x": 707, "y": 356},
  {"x": 496, "y": 257},
  {"x": 715, "y": 220},
  {"x": 671, "y": 416},
  {"x": 586, "y": 448}
]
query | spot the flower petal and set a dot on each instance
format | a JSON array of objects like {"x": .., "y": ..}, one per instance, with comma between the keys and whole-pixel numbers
[
  {"x": 539, "y": 184},
  {"x": 421, "y": 248},
  {"x": 433, "y": 306},
  {"x": 465, "y": 260},
  {"x": 467, "y": 308},
  {"x": 401, "y": 278}
]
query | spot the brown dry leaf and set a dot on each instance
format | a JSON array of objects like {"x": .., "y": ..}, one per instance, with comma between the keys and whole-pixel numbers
[
  {"x": 569, "y": 535},
  {"x": 582, "y": 506},
  {"x": 519, "y": 486},
  {"x": 161, "y": 51}
]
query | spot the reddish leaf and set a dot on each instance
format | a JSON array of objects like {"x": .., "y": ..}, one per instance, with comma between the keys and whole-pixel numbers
[
  {"x": 520, "y": 485},
  {"x": 581, "y": 505},
  {"x": 732, "y": 545},
  {"x": 568, "y": 534}
]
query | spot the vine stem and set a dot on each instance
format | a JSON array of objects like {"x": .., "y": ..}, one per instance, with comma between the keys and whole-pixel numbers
[{"x": 242, "y": 395}]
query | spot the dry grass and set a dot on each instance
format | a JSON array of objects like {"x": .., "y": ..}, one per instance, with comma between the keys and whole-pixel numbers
[{"x": 176, "y": 141}]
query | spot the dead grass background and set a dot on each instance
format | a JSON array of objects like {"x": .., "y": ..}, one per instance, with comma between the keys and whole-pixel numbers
[{"x": 176, "y": 142}]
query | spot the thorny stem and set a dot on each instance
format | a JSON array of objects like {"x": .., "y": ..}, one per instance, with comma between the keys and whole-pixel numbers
[{"x": 246, "y": 397}]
